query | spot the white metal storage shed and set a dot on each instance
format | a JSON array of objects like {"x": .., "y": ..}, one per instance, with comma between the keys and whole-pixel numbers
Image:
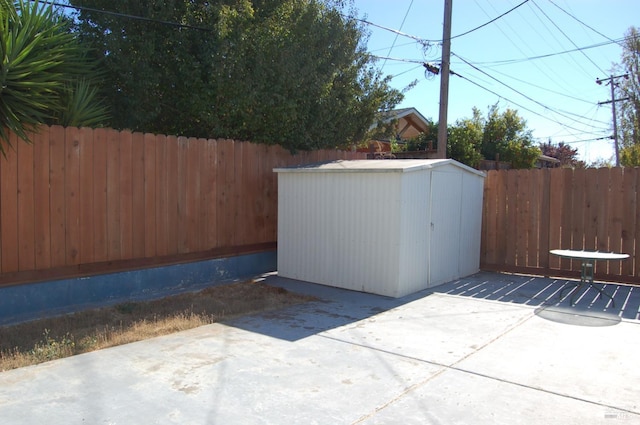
[{"x": 388, "y": 227}]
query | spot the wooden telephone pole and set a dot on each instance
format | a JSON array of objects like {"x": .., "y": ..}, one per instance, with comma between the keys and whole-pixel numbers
[
  {"x": 444, "y": 80},
  {"x": 613, "y": 101}
]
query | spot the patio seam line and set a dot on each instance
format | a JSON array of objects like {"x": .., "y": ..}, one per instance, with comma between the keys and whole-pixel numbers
[{"x": 444, "y": 367}]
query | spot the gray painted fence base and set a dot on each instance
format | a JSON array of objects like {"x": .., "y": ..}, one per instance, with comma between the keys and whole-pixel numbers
[{"x": 47, "y": 299}]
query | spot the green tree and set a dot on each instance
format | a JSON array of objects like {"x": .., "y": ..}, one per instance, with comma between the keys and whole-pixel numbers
[
  {"x": 506, "y": 136},
  {"x": 630, "y": 156},
  {"x": 45, "y": 76},
  {"x": 628, "y": 89},
  {"x": 464, "y": 139},
  {"x": 288, "y": 72}
]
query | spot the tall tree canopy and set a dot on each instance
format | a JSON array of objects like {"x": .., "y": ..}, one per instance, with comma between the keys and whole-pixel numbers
[
  {"x": 288, "y": 72},
  {"x": 629, "y": 109},
  {"x": 506, "y": 137},
  {"x": 45, "y": 75},
  {"x": 498, "y": 136}
]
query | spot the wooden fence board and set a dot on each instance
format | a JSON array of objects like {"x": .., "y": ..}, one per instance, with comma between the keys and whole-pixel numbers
[
  {"x": 502, "y": 221},
  {"x": 25, "y": 223},
  {"x": 172, "y": 195},
  {"x": 533, "y": 229},
  {"x": 138, "y": 218},
  {"x": 100, "y": 217},
  {"x": 522, "y": 205},
  {"x": 181, "y": 178},
  {"x": 86, "y": 191},
  {"x": 203, "y": 195},
  {"x": 544, "y": 218},
  {"x": 602, "y": 236},
  {"x": 150, "y": 176},
  {"x": 41, "y": 197},
  {"x": 126, "y": 195},
  {"x": 629, "y": 208},
  {"x": 577, "y": 213},
  {"x": 113, "y": 195},
  {"x": 225, "y": 207},
  {"x": 57, "y": 195},
  {"x": 192, "y": 191},
  {"x": 512, "y": 217},
  {"x": 210, "y": 191},
  {"x": 591, "y": 208},
  {"x": 636, "y": 233},
  {"x": 556, "y": 205},
  {"x": 162, "y": 195},
  {"x": 616, "y": 210},
  {"x": 9, "y": 208},
  {"x": 567, "y": 216},
  {"x": 72, "y": 200},
  {"x": 489, "y": 219}
]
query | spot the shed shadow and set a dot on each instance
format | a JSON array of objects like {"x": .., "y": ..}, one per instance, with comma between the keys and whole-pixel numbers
[{"x": 333, "y": 308}]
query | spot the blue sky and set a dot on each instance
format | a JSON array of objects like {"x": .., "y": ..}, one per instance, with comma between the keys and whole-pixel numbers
[{"x": 556, "y": 95}]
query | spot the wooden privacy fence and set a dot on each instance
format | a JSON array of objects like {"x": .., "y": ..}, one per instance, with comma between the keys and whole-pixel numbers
[
  {"x": 81, "y": 201},
  {"x": 528, "y": 212}
]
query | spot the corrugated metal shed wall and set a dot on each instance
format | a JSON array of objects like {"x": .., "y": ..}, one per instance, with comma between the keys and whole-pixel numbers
[
  {"x": 326, "y": 235},
  {"x": 414, "y": 229},
  {"x": 391, "y": 231}
]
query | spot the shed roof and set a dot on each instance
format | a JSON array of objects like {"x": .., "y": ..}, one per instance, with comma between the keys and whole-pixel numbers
[{"x": 376, "y": 166}]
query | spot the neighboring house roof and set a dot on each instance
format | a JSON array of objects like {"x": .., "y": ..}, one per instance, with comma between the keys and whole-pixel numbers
[{"x": 410, "y": 122}]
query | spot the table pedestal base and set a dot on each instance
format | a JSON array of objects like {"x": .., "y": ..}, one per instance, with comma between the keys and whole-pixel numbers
[{"x": 586, "y": 278}]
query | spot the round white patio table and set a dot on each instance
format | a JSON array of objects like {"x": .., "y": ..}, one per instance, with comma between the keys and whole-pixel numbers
[{"x": 588, "y": 259}]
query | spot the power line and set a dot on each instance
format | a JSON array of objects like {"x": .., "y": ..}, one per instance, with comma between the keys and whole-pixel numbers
[
  {"x": 588, "y": 26},
  {"x": 515, "y": 103},
  {"x": 396, "y": 37},
  {"x": 519, "y": 92},
  {"x": 567, "y": 37},
  {"x": 544, "y": 88},
  {"x": 423, "y": 42},
  {"x": 491, "y": 21},
  {"x": 548, "y": 55},
  {"x": 124, "y": 15}
]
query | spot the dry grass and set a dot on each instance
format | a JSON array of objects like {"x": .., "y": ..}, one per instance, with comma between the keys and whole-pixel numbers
[{"x": 48, "y": 339}]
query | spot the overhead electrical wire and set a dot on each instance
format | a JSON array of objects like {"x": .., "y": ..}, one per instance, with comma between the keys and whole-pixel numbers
[
  {"x": 490, "y": 22},
  {"x": 515, "y": 103},
  {"x": 586, "y": 25},
  {"x": 396, "y": 37},
  {"x": 567, "y": 37},
  {"x": 563, "y": 114},
  {"x": 558, "y": 80},
  {"x": 548, "y": 55},
  {"x": 124, "y": 15}
]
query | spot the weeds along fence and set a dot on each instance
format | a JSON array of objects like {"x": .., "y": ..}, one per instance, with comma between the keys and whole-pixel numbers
[
  {"x": 529, "y": 212},
  {"x": 80, "y": 201}
]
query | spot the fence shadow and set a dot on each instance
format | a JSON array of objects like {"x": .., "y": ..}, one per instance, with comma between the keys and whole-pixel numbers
[
  {"x": 551, "y": 302},
  {"x": 335, "y": 307}
]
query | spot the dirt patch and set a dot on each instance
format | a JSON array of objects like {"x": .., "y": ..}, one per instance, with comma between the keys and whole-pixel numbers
[{"x": 48, "y": 339}]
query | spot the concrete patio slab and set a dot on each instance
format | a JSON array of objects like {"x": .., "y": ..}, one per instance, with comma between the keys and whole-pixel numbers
[{"x": 479, "y": 350}]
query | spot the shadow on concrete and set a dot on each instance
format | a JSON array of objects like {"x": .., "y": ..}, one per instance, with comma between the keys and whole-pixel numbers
[
  {"x": 333, "y": 308},
  {"x": 588, "y": 309},
  {"x": 336, "y": 307}
]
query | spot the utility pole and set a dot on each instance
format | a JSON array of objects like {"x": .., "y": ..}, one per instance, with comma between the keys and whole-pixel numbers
[
  {"x": 613, "y": 101},
  {"x": 444, "y": 80}
]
